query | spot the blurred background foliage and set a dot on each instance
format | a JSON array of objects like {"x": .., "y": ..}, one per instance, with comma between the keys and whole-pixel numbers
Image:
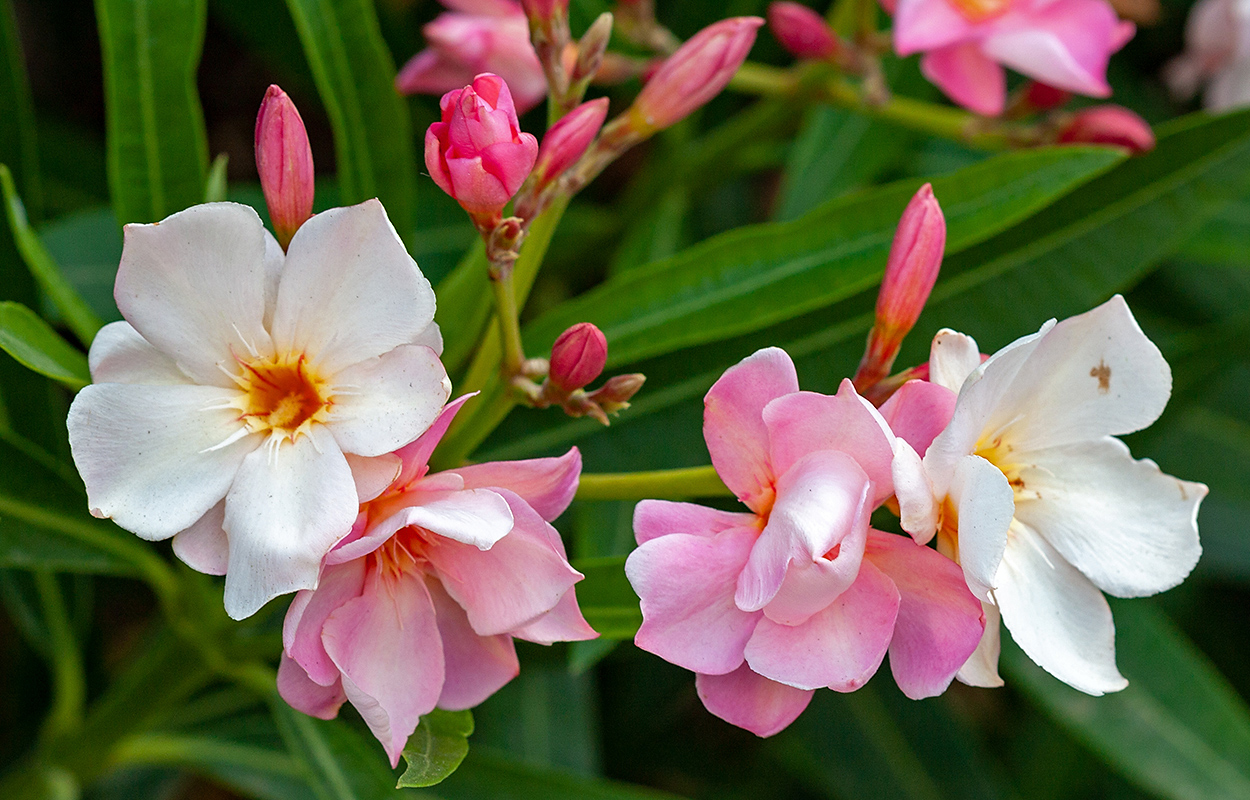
[{"x": 756, "y": 222}]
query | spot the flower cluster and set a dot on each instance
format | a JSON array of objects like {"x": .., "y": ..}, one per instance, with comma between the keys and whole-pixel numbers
[{"x": 1217, "y": 55}]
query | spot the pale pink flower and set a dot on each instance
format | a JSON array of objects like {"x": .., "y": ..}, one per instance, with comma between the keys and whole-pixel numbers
[
  {"x": 232, "y": 406},
  {"x": 966, "y": 44},
  {"x": 1043, "y": 508},
  {"x": 799, "y": 593},
  {"x": 1217, "y": 55},
  {"x": 477, "y": 36},
  {"x": 419, "y": 606}
]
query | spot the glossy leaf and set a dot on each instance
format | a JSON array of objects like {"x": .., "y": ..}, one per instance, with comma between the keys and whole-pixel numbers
[
  {"x": 157, "y": 145},
  {"x": 17, "y": 115},
  {"x": 486, "y": 774},
  {"x": 36, "y": 346},
  {"x": 607, "y": 600},
  {"x": 436, "y": 748}
]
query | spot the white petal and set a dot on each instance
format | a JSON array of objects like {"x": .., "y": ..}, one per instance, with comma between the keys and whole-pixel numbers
[
  {"x": 953, "y": 356},
  {"x": 120, "y": 355},
  {"x": 349, "y": 290},
  {"x": 373, "y": 475},
  {"x": 287, "y": 508},
  {"x": 193, "y": 286},
  {"x": 1095, "y": 374},
  {"x": 984, "y": 501},
  {"x": 274, "y": 259},
  {"x": 1056, "y": 615},
  {"x": 382, "y": 404},
  {"x": 431, "y": 337},
  {"x": 204, "y": 547},
  {"x": 478, "y": 517},
  {"x": 981, "y": 668},
  {"x": 1127, "y": 526},
  {"x": 149, "y": 455},
  {"x": 918, "y": 508}
]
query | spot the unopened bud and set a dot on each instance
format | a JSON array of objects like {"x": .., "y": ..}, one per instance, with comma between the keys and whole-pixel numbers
[
  {"x": 801, "y": 30},
  {"x": 591, "y": 47},
  {"x": 614, "y": 395},
  {"x": 693, "y": 75},
  {"x": 577, "y": 357},
  {"x": 1043, "y": 97},
  {"x": 284, "y": 161},
  {"x": 1109, "y": 124},
  {"x": 568, "y": 139},
  {"x": 542, "y": 11},
  {"x": 910, "y": 272}
]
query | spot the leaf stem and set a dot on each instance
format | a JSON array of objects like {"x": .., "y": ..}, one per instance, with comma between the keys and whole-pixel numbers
[
  {"x": 69, "y": 679},
  {"x": 663, "y": 484}
]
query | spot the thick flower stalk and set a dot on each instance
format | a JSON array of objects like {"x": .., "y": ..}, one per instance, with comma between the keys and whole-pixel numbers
[
  {"x": 246, "y": 387},
  {"x": 1042, "y": 507},
  {"x": 1217, "y": 55},
  {"x": 419, "y": 606},
  {"x": 967, "y": 43},
  {"x": 476, "y": 36},
  {"x": 799, "y": 592}
]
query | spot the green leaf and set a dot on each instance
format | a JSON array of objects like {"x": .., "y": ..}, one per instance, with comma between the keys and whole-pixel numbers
[
  {"x": 17, "y": 114},
  {"x": 606, "y": 599},
  {"x": 215, "y": 187},
  {"x": 80, "y": 318},
  {"x": 754, "y": 277},
  {"x": 486, "y": 774},
  {"x": 1179, "y": 730},
  {"x": 355, "y": 75},
  {"x": 36, "y": 346},
  {"x": 436, "y": 748},
  {"x": 157, "y": 146}
]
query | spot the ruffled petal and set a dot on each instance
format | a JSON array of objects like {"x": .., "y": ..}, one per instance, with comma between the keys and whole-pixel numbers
[
  {"x": 918, "y": 412},
  {"x": 383, "y": 403},
  {"x": 547, "y": 485},
  {"x": 301, "y": 694},
  {"x": 287, "y": 508},
  {"x": 927, "y": 24},
  {"x": 968, "y": 76},
  {"x": 751, "y": 701},
  {"x": 953, "y": 356},
  {"x": 204, "y": 547},
  {"x": 349, "y": 290},
  {"x": 564, "y": 623},
  {"x": 981, "y": 668},
  {"x": 840, "y": 647},
  {"x": 301, "y": 630},
  {"x": 416, "y": 456},
  {"x": 477, "y": 517},
  {"x": 475, "y": 667},
  {"x": 373, "y": 475},
  {"x": 655, "y": 518},
  {"x": 1065, "y": 44},
  {"x": 686, "y": 585},
  {"x": 733, "y": 421},
  {"x": 985, "y": 504},
  {"x": 120, "y": 355},
  {"x": 155, "y": 458}
]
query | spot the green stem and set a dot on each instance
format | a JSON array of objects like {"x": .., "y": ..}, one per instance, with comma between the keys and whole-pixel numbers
[
  {"x": 509, "y": 325},
  {"x": 69, "y": 680},
  {"x": 663, "y": 484}
]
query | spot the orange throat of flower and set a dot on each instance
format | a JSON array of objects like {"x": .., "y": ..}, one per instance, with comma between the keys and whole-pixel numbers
[
  {"x": 282, "y": 396},
  {"x": 981, "y": 10}
]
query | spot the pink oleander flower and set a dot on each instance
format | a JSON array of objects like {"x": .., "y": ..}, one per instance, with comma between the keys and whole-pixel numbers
[
  {"x": 1042, "y": 507},
  {"x": 418, "y": 607},
  {"x": 801, "y": 31},
  {"x": 478, "y": 153},
  {"x": 798, "y": 593},
  {"x": 966, "y": 44},
  {"x": 1217, "y": 55},
  {"x": 285, "y": 164},
  {"x": 232, "y": 408},
  {"x": 477, "y": 36}
]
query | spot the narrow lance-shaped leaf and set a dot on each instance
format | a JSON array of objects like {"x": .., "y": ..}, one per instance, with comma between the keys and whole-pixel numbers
[
  {"x": 36, "y": 346},
  {"x": 17, "y": 114}
]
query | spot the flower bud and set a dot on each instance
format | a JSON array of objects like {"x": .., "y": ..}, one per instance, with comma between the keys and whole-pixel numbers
[
  {"x": 577, "y": 357},
  {"x": 477, "y": 153},
  {"x": 591, "y": 47},
  {"x": 801, "y": 30},
  {"x": 542, "y": 11},
  {"x": 284, "y": 161},
  {"x": 694, "y": 74},
  {"x": 614, "y": 395},
  {"x": 568, "y": 139},
  {"x": 1043, "y": 97},
  {"x": 1109, "y": 124},
  {"x": 912, "y": 269}
]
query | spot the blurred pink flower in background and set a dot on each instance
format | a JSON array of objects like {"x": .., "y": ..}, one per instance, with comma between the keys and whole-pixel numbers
[
  {"x": 1217, "y": 55},
  {"x": 476, "y": 36}
]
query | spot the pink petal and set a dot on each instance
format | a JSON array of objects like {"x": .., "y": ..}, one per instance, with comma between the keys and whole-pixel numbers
[
  {"x": 511, "y": 161},
  {"x": 927, "y": 25},
  {"x": 1065, "y": 44},
  {"x": 301, "y": 631},
  {"x": 841, "y": 647},
  {"x": 686, "y": 585},
  {"x": 733, "y": 421},
  {"x": 939, "y": 621},
  {"x": 304, "y": 695},
  {"x": 822, "y": 502},
  {"x": 511, "y": 584},
  {"x": 564, "y": 623},
  {"x": 477, "y": 517},
  {"x": 751, "y": 701},
  {"x": 475, "y": 666},
  {"x": 373, "y": 474},
  {"x": 805, "y": 422},
  {"x": 416, "y": 456},
  {"x": 967, "y": 76},
  {"x": 918, "y": 412},
  {"x": 546, "y": 484},
  {"x": 386, "y": 643},
  {"x": 204, "y": 547},
  {"x": 653, "y": 518},
  {"x": 431, "y": 72}
]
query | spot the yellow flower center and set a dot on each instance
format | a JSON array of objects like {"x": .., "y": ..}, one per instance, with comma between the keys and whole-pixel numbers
[
  {"x": 980, "y": 10},
  {"x": 282, "y": 395}
]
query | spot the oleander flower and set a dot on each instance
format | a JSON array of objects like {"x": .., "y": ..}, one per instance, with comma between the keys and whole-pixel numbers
[
  {"x": 799, "y": 593},
  {"x": 419, "y": 606},
  {"x": 1043, "y": 508},
  {"x": 1217, "y": 55},
  {"x": 231, "y": 407}
]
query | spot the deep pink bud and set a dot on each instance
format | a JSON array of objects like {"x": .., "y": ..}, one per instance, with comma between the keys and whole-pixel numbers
[
  {"x": 578, "y": 356},
  {"x": 694, "y": 74},
  {"x": 569, "y": 138},
  {"x": 544, "y": 10},
  {"x": 912, "y": 269},
  {"x": 477, "y": 153},
  {"x": 1109, "y": 124},
  {"x": 284, "y": 161},
  {"x": 1043, "y": 97},
  {"x": 801, "y": 30}
]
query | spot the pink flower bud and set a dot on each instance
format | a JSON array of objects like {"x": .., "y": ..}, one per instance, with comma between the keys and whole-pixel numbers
[
  {"x": 912, "y": 269},
  {"x": 569, "y": 138},
  {"x": 578, "y": 356},
  {"x": 614, "y": 395},
  {"x": 694, "y": 74},
  {"x": 1043, "y": 97},
  {"x": 477, "y": 153},
  {"x": 1109, "y": 124},
  {"x": 545, "y": 10},
  {"x": 284, "y": 161},
  {"x": 801, "y": 30}
]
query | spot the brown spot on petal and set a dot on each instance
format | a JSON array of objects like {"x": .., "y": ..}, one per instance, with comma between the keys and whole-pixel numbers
[{"x": 1103, "y": 373}]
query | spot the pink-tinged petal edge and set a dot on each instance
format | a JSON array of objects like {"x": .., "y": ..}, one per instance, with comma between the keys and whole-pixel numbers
[
  {"x": 655, "y": 518},
  {"x": 967, "y": 76},
  {"x": 751, "y": 701}
]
